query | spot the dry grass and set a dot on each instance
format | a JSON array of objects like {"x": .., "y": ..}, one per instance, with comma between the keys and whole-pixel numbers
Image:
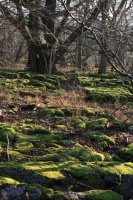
[{"x": 73, "y": 99}]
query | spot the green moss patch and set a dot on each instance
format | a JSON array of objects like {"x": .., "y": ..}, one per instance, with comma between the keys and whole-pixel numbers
[
  {"x": 98, "y": 124},
  {"x": 8, "y": 132},
  {"x": 102, "y": 139},
  {"x": 106, "y": 88},
  {"x": 85, "y": 154},
  {"x": 119, "y": 125},
  {"x": 6, "y": 180},
  {"x": 52, "y": 112},
  {"x": 102, "y": 195},
  {"x": 126, "y": 153}
]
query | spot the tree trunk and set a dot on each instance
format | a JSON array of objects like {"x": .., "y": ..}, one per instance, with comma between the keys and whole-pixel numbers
[
  {"x": 39, "y": 60},
  {"x": 103, "y": 63},
  {"x": 79, "y": 52},
  {"x": 103, "y": 59}
]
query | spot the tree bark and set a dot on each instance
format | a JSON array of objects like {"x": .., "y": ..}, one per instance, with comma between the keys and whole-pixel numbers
[
  {"x": 103, "y": 63},
  {"x": 103, "y": 59},
  {"x": 79, "y": 52},
  {"x": 38, "y": 61}
]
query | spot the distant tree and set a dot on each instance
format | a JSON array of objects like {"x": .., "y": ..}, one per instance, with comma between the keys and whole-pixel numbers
[{"x": 117, "y": 34}]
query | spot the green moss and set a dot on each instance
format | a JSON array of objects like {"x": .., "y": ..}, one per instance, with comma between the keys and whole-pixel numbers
[
  {"x": 102, "y": 139},
  {"x": 24, "y": 75},
  {"x": 48, "y": 112},
  {"x": 119, "y": 125},
  {"x": 39, "y": 77},
  {"x": 49, "y": 86},
  {"x": 102, "y": 145},
  {"x": 60, "y": 196},
  {"x": 24, "y": 147},
  {"x": 3, "y": 144},
  {"x": 31, "y": 188},
  {"x": 86, "y": 154},
  {"x": 80, "y": 123},
  {"x": 88, "y": 112},
  {"x": 52, "y": 112},
  {"x": 106, "y": 89},
  {"x": 15, "y": 155},
  {"x": 98, "y": 124},
  {"x": 68, "y": 112},
  {"x": 102, "y": 195},
  {"x": 9, "y": 75},
  {"x": 92, "y": 173},
  {"x": 126, "y": 153},
  {"x": 61, "y": 126},
  {"x": 47, "y": 193},
  {"x": 59, "y": 112},
  {"x": 95, "y": 173},
  {"x": 6, "y": 180},
  {"x": 8, "y": 131},
  {"x": 55, "y": 157},
  {"x": 40, "y": 131},
  {"x": 37, "y": 83}
]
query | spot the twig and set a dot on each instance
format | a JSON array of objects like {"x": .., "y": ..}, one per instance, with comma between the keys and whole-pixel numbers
[
  {"x": 7, "y": 148},
  {"x": 117, "y": 109}
]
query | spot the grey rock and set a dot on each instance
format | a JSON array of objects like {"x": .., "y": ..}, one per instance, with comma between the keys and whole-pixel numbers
[
  {"x": 72, "y": 195},
  {"x": 69, "y": 142},
  {"x": 130, "y": 129},
  {"x": 12, "y": 192},
  {"x": 112, "y": 179},
  {"x": 127, "y": 187},
  {"x": 35, "y": 195},
  {"x": 27, "y": 175}
]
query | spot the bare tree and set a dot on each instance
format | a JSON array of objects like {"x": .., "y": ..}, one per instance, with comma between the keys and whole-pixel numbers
[
  {"x": 118, "y": 33},
  {"x": 43, "y": 24}
]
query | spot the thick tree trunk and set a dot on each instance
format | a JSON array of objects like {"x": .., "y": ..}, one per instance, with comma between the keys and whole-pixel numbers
[{"x": 40, "y": 60}]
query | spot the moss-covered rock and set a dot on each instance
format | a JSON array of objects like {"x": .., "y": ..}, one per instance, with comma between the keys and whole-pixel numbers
[
  {"x": 102, "y": 139},
  {"x": 119, "y": 125},
  {"x": 126, "y": 153},
  {"x": 101, "y": 174},
  {"x": 79, "y": 123},
  {"x": 98, "y": 124},
  {"x": 24, "y": 75},
  {"x": 40, "y": 131},
  {"x": 61, "y": 127},
  {"x": 47, "y": 193},
  {"x": 52, "y": 112},
  {"x": 8, "y": 132},
  {"x": 88, "y": 112},
  {"x": 7, "y": 180},
  {"x": 102, "y": 195},
  {"x": 3, "y": 144},
  {"x": 9, "y": 75},
  {"x": 85, "y": 154},
  {"x": 68, "y": 112},
  {"x": 39, "y": 77},
  {"x": 37, "y": 83},
  {"x": 15, "y": 155}
]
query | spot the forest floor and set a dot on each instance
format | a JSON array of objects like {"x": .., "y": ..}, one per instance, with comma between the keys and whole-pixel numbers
[{"x": 66, "y": 137}]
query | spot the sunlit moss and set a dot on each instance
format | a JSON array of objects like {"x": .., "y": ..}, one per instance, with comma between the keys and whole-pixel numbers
[{"x": 102, "y": 195}]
